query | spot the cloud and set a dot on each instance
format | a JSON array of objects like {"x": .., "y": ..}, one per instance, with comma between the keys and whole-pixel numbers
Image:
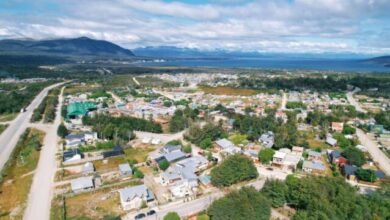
[{"x": 262, "y": 25}]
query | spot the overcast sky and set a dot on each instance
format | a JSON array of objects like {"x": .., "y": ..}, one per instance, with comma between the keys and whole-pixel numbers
[{"x": 359, "y": 26}]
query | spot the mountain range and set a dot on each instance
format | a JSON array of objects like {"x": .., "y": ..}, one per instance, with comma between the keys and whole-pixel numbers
[{"x": 81, "y": 46}]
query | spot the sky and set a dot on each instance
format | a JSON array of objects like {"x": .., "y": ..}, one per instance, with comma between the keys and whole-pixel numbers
[{"x": 292, "y": 26}]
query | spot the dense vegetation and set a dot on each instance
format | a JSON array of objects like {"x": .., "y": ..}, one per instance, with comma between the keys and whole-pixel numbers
[
  {"x": 204, "y": 136},
  {"x": 47, "y": 108},
  {"x": 234, "y": 169},
  {"x": 171, "y": 216},
  {"x": 181, "y": 119},
  {"x": 383, "y": 118},
  {"x": 13, "y": 100},
  {"x": 327, "y": 198},
  {"x": 245, "y": 204},
  {"x": 265, "y": 155},
  {"x": 120, "y": 128},
  {"x": 295, "y": 105},
  {"x": 335, "y": 83},
  {"x": 354, "y": 156}
]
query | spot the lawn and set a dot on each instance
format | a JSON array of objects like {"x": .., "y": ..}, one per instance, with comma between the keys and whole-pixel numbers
[
  {"x": 225, "y": 90},
  {"x": 16, "y": 177},
  {"x": 111, "y": 163},
  {"x": 8, "y": 117}
]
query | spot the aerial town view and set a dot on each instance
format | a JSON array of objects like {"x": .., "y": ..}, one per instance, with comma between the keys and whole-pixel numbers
[{"x": 195, "y": 110}]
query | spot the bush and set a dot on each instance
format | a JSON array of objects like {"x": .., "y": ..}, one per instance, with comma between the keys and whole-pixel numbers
[
  {"x": 245, "y": 204},
  {"x": 62, "y": 131},
  {"x": 171, "y": 216},
  {"x": 164, "y": 164},
  {"x": 187, "y": 148},
  {"x": 354, "y": 156},
  {"x": 232, "y": 170},
  {"x": 349, "y": 130},
  {"x": 138, "y": 174},
  {"x": 276, "y": 191},
  {"x": 206, "y": 143},
  {"x": 265, "y": 155},
  {"x": 366, "y": 175}
]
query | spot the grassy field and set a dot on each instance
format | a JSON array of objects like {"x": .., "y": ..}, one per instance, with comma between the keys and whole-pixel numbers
[
  {"x": 16, "y": 177},
  {"x": 8, "y": 117},
  {"x": 138, "y": 154},
  {"x": 90, "y": 205},
  {"x": 80, "y": 88},
  {"x": 224, "y": 90},
  {"x": 2, "y": 128}
]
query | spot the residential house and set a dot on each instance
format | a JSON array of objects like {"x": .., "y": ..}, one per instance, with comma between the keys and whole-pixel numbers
[
  {"x": 74, "y": 140},
  {"x": 331, "y": 141},
  {"x": 134, "y": 197},
  {"x": 284, "y": 159},
  {"x": 337, "y": 126},
  {"x": 349, "y": 171},
  {"x": 281, "y": 115},
  {"x": 297, "y": 150},
  {"x": 116, "y": 151},
  {"x": 227, "y": 147},
  {"x": 336, "y": 158},
  {"x": 82, "y": 183},
  {"x": 313, "y": 166},
  {"x": 253, "y": 154},
  {"x": 125, "y": 169},
  {"x": 267, "y": 139},
  {"x": 314, "y": 155},
  {"x": 72, "y": 155},
  {"x": 88, "y": 168}
]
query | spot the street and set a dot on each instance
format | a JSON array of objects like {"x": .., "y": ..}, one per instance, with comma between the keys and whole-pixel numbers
[
  {"x": 353, "y": 102},
  {"x": 41, "y": 191},
  {"x": 378, "y": 156},
  {"x": 10, "y": 136}
]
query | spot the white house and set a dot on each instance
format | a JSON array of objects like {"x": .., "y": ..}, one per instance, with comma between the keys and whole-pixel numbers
[{"x": 134, "y": 197}]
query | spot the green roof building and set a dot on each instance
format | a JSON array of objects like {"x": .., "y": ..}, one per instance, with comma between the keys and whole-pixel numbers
[{"x": 79, "y": 109}]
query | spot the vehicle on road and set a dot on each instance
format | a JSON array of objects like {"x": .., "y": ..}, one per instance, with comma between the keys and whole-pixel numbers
[
  {"x": 140, "y": 216},
  {"x": 151, "y": 212}
]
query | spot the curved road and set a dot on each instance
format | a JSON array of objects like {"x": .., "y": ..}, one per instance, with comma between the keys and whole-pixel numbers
[{"x": 10, "y": 136}]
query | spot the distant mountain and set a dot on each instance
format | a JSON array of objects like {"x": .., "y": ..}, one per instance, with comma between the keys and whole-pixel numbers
[
  {"x": 382, "y": 60},
  {"x": 82, "y": 46}
]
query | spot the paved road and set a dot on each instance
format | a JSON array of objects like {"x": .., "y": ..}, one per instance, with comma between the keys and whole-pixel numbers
[
  {"x": 10, "y": 136},
  {"x": 39, "y": 200},
  {"x": 284, "y": 102},
  {"x": 191, "y": 207},
  {"x": 353, "y": 102},
  {"x": 372, "y": 147}
]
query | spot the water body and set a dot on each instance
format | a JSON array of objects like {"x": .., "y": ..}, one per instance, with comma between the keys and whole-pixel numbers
[{"x": 337, "y": 65}]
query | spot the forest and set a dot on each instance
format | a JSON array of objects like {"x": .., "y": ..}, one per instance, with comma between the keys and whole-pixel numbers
[
  {"x": 119, "y": 128},
  {"x": 13, "y": 100}
]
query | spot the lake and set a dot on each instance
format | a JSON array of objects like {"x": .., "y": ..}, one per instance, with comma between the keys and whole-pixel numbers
[{"x": 338, "y": 65}]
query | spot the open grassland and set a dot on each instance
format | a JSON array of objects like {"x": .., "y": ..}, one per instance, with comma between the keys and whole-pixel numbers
[
  {"x": 139, "y": 154},
  {"x": 225, "y": 90},
  {"x": 81, "y": 88},
  {"x": 16, "y": 177}
]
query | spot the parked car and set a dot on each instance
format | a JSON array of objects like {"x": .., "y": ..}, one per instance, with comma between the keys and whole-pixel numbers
[
  {"x": 151, "y": 212},
  {"x": 140, "y": 216}
]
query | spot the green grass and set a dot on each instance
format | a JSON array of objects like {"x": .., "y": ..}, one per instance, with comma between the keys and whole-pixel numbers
[
  {"x": 8, "y": 117},
  {"x": 2, "y": 127}
]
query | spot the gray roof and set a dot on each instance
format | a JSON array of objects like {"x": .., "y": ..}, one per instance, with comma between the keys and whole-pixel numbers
[
  {"x": 73, "y": 137},
  {"x": 174, "y": 156},
  {"x": 88, "y": 167},
  {"x": 331, "y": 140},
  {"x": 314, "y": 165},
  {"x": 224, "y": 143},
  {"x": 349, "y": 170},
  {"x": 82, "y": 183},
  {"x": 125, "y": 168},
  {"x": 314, "y": 153},
  {"x": 129, "y": 193},
  {"x": 171, "y": 148}
]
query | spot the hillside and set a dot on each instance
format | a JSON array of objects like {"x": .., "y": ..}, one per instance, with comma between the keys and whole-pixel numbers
[
  {"x": 82, "y": 46},
  {"x": 382, "y": 60}
]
